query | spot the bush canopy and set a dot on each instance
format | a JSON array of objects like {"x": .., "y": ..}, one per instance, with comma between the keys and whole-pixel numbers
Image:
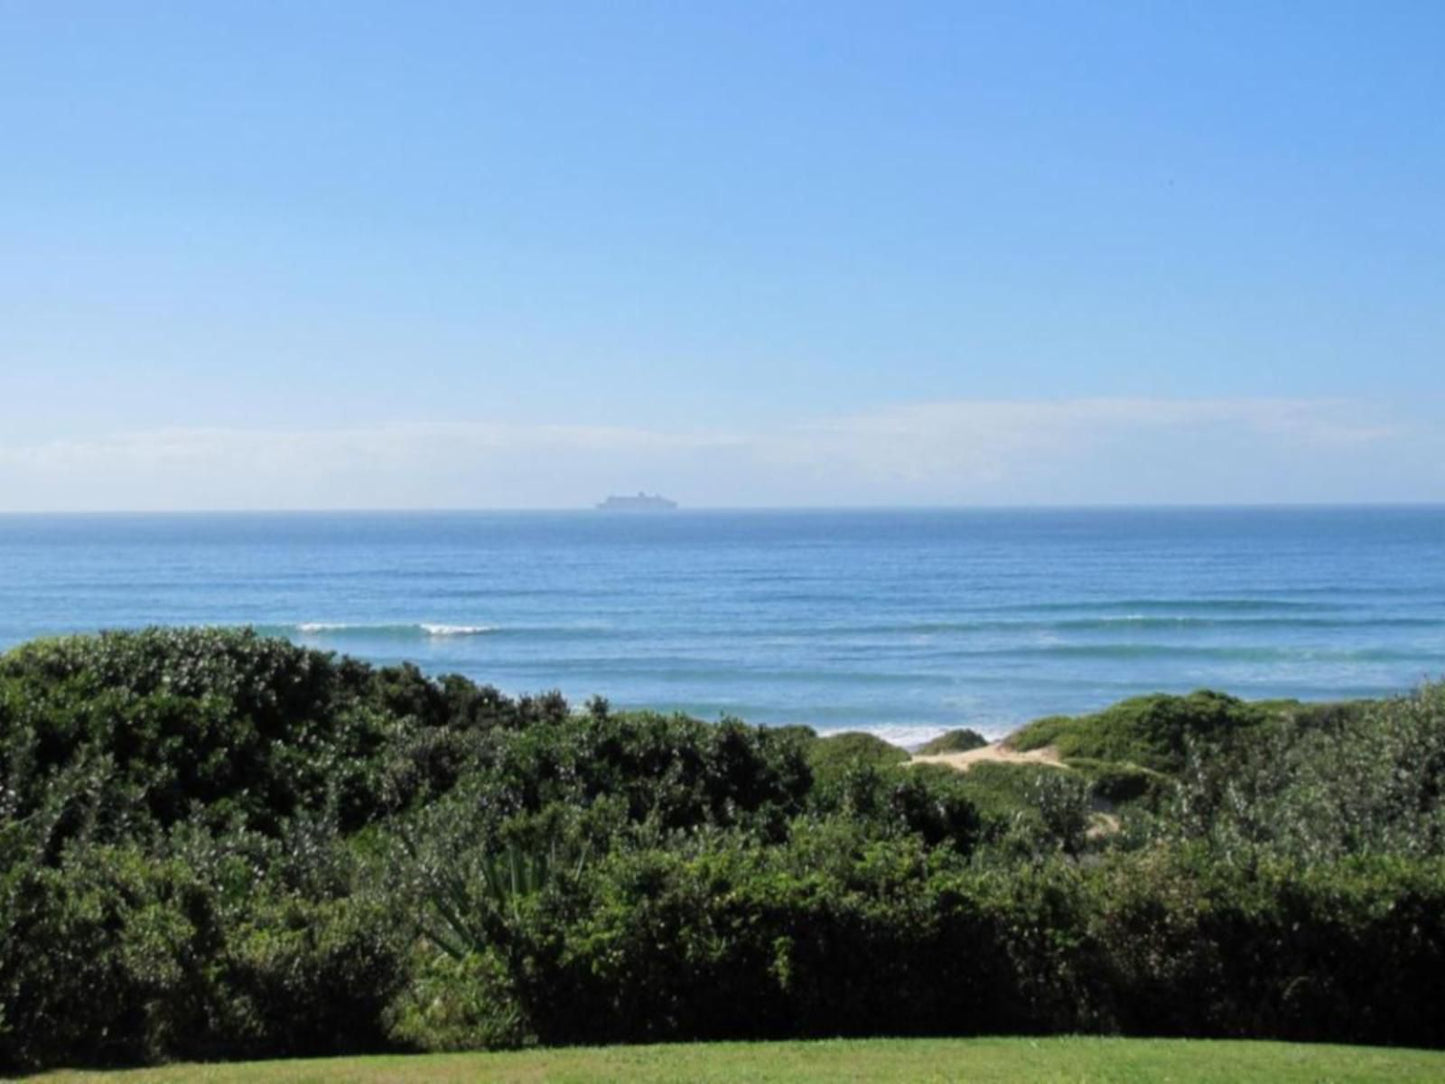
[{"x": 217, "y": 845}]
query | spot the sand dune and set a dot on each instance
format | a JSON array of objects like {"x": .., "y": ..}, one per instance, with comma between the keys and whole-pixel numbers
[{"x": 997, "y": 752}]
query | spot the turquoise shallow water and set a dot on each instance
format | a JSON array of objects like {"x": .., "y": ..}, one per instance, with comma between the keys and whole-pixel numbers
[{"x": 901, "y": 622}]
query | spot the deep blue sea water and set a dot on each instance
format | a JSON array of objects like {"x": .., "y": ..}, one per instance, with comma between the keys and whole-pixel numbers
[{"x": 901, "y": 622}]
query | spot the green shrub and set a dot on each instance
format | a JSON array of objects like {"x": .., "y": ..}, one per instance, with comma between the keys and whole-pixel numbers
[
  {"x": 1153, "y": 732},
  {"x": 222, "y": 720},
  {"x": 1338, "y": 952},
  {"x": 458, "y": 1004},
  {"x": 1371, "y": 783},
  {"x": 214, "y": 845},
  {"x": 836, "y": 934},
  {"x": 831, "y": 756},
  {"x": 954, "y": 741},
  {"x": 1028, "y": 809},
  {"x": 1123, "y": 784}
]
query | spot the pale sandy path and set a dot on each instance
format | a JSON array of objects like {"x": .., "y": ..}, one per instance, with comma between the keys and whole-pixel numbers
[{"x": 996, "y": 753}]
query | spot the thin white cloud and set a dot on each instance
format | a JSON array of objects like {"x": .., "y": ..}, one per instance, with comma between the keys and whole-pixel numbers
[
  {"x": 1069, "y": 451},
  {"x": 993, "y": 444}
]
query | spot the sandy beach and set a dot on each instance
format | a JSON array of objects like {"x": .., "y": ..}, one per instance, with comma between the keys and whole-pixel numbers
[{"x": 996, "y": 752}]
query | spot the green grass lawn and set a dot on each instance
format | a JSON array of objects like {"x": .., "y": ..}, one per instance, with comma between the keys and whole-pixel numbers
[{"x": 903, "y": 1060}]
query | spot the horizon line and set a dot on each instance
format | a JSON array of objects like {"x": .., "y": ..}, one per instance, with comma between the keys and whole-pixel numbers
[{"x": 714, "y": 508}]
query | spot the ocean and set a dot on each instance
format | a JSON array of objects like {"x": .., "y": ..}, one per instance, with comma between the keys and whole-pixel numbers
[{"x": 904, "y": 623}]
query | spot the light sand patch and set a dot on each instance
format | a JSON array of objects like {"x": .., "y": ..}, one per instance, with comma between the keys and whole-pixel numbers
[
  {"x": 1102, "y": 825},
  {"x": 997, "y": 753}
]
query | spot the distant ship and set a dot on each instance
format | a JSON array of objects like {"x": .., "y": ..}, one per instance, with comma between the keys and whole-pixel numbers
[{"x": 643, "y": 502}]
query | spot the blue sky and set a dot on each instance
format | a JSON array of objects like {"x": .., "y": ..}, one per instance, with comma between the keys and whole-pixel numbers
[{"x": 364, "y": 254}]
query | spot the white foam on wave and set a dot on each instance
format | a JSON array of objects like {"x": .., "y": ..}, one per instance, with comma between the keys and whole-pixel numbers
[
  {"x": 905, "y": 736},
  {"x": 909, "y": 735},
  {"x": 420, "y": 628}
]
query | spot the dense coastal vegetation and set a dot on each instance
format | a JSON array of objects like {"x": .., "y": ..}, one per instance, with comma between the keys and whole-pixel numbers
[{"x": 215, "y": 845}]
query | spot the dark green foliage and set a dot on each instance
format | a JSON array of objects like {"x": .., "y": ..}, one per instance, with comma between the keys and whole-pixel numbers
[
  {"x": 831, "y": 757},
  {"x": 838, "y": 934},
  {"x": 933, "y": 803},
  {"x": 122, "y": 953},
  {"x": 1001, "y": 789},
  {"x": 1327, "y": 715},
  {"x": 1151, "y": 731},
  {"x": 1114, "y": 784},
  {"x": 280, "y": 769},
  {"x": 891, "y": 800},
  {"x": 955, "y": 741},
  {"x": 1369, "y": 782},
  {"x": 1156, "y": 732},
  {"x": 214, "y": 845},
  {"x": 1029, "y": 808},
  {"x": 1041, "y": 732},
  {"x": 173, "y": 721},
  {"x": 1345, "y": 952}
]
